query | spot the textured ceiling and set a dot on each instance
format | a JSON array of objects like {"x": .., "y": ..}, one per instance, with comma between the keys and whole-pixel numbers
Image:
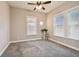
[{"x": 24, "y": 5}]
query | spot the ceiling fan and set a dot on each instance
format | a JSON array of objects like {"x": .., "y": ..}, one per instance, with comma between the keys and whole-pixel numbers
[{"x": 39, "y": 4}]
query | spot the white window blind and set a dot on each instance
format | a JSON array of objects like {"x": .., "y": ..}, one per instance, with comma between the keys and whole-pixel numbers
[{"x": 31, "y": 25}]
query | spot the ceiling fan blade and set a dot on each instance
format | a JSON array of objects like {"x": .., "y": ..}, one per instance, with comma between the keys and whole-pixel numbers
[
  {"x": 31, "y": 3},
  {"x": 34, "y": 9},
  {"x": 47, "y": 2},
  {"x": 43, "y": 8}
]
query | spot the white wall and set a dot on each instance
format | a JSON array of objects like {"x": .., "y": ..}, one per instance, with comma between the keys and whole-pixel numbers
[
  {"x": 18, "y": 24},
  {"x": 4, "y": 25},
  {"x": 50, "y": 16}
]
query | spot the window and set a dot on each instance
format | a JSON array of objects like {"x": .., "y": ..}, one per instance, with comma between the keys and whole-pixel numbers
[
  {"x": 59, "y": 25},
  {"x": 31, "y": 25},
  {"x": 73, "y": 23}
]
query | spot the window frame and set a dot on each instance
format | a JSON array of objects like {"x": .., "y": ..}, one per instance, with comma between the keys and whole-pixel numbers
[
  {"x": 67, "y": 11},
  {"x": 27, "y": 24},
  {"x": 54, "y": 26},
  {"x": 66, "y": 22}
]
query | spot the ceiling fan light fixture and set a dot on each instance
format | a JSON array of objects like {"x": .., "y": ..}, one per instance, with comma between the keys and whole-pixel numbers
[{"x": 39, "y": 7}]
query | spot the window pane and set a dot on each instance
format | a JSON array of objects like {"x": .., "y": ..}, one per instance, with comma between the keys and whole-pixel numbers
[
  {"x": 73, "y": 23},
  {"x": 59, "y": 25},
  {"x": 31, "y": 26}
]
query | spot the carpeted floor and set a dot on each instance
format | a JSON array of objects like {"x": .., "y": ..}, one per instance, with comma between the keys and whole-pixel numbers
[{"x": 39, "y": 48}]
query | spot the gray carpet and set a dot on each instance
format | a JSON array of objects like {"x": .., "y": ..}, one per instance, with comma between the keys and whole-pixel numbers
[{"x": 40, "y": 48}]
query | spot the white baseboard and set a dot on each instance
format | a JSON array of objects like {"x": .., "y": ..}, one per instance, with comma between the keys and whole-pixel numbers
[
  {"x": 4, "y": 49},
  {"x": 69, "y": 46},
  {"x": 25, "y": 40},
  {"x": 77, "y": 49},
  {"x": 16, "y": 42}
]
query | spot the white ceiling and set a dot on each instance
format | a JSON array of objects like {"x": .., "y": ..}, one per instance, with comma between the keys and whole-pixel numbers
[{"x": 24, "y": 5}]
